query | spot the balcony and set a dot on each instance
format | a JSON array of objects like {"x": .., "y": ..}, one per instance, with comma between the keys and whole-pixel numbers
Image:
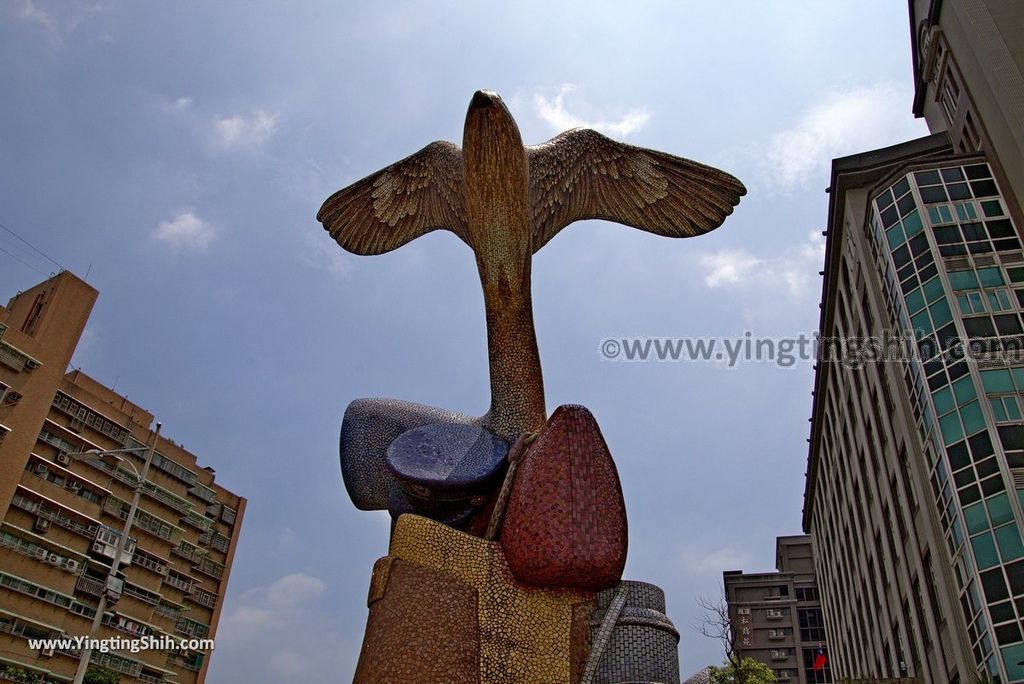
[
  {"x": 153, "y": 491},
  {"x": 150, "y": 563},
  {"x": 167, "y": 611},
  {"x": 178, "y": 583},
  {"x": 200, "y": 522},
  {"x": 222, "y": 543},
  {"x": 54, "y": 515},
  {"x": 16, "y": 359},
  {"x": 202, "y": 597},
  {"x": 165, "y": 497},
  {"x": 211, "y": 568},
  {"x": 192, "y": 628},
  {"x": 203, "y": 493},
  {"x": 126, "y": 624},
  {"x": 143, "y": 595},
  {"x": 189, "y": 551},
  {"x": 88, "y": 585}
]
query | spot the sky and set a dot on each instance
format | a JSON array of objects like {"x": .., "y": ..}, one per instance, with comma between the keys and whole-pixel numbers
[{"x": 176, "y": 154}]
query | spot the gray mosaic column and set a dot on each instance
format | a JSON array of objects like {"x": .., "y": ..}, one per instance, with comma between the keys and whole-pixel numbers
[{"x": 643, "y": 647}]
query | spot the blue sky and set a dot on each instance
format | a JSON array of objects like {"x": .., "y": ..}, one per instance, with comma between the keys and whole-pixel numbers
[{"x": 178, "y": 153}]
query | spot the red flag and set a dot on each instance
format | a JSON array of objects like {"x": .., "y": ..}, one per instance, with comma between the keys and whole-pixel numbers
[{"x": 820, "y": 661}]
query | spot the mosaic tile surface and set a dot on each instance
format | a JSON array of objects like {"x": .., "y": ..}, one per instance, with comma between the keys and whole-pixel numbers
[
  {"x": 565, "y": 524},
  {"x": 367, "y": 430},
  {"x": 643, "y": 646},
  {"x": 422, "y": 628},
  {"x": 447, "y": 462},
  {"x": 526, "y": 634}
]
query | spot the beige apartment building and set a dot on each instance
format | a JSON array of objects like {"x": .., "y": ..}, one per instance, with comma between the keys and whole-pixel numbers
[
  {"x": 915, "y": 480},
  {"x": 62, "y": 514},
  {"x": 776, "y": 617}
]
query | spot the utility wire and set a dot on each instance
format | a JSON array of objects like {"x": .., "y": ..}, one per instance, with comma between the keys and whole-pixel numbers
[
  {"x": 12, "y": 245},
  {"x": 34, "y": 248},
  {"x": 20, "y": 261}
]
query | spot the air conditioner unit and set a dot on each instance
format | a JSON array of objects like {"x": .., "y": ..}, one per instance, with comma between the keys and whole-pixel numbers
[
  {"x": 99, "y": 547},
  {"x": 63, "y": 458},
  {"x": 42, "y": 524},
  {"x": 42, "y": 553},
  {"x": 12, "y": 397},
  {"x": 71, "y": 566},
  {"x": 53, "y": 559},
  {"x": 31, "y": 364},
  {"x": 74, "y": 486},
  {"x": 40, "y": 469}
]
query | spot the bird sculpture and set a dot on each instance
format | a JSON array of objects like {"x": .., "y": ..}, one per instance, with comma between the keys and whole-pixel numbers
[{"x": 506, "y": 201}]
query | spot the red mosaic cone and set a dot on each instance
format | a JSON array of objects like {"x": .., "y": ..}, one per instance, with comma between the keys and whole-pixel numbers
[{"x": 565, "y": 525}]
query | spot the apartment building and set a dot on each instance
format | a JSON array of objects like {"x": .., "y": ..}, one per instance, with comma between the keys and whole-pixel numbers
[
  {"x": 776, "y": 616},
  {"x": 63, "y": 510},
  {"x": 915, "y": 481}
]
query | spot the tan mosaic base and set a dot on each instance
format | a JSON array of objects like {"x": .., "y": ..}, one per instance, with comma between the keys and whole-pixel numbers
[
  {"x": 526, "y": 634},
  {"x": 421, "y": 629}
]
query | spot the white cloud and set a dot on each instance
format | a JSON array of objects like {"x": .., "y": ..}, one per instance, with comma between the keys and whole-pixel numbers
[
  {"x": 554, "y": 112},
  {"x": 321, "y": 252},
  {"x": 185, "y": 231},
  {"x": 182, "y": 103},
  {"x": 61, "y": 18},
  {"x": 794, "y": 270},
  {"x": 294, "y": 590},
  {"x": 842, "y": 122},
  {"x": 727, "y": 266},
  {"x": 271, "y": 608},
  {"x": 282, "y": 628},
  {"x": 31, "y": 13},
  {"x": 234, "y": 132}
]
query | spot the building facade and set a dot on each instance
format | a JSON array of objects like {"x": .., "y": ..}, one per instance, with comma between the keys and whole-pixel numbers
[
  {"x": 62, "y": 514},
  {"x": 776, "y": 617},
  {"x": 915, "y": 482}
]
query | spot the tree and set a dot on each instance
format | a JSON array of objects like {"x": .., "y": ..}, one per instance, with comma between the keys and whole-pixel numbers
[
  {"x": 717, "y": 624},
  {"x": 101, "y": 675},
  {"x": 742, "y": 671}
]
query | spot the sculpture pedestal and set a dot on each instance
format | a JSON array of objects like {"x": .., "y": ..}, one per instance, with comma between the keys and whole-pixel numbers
[{"x": 446, "y": 609}]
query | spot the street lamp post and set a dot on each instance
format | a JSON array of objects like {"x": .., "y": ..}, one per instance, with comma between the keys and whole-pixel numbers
[{"x": 86, "y": 655}]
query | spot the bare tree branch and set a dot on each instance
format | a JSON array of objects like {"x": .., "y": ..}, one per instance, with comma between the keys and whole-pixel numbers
[{"x": 716, "y": 623}]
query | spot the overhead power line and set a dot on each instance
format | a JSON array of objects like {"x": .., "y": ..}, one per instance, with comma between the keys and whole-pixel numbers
[
  {"x": 21, "y": 261},
  {"x": 34, "y": 248}
]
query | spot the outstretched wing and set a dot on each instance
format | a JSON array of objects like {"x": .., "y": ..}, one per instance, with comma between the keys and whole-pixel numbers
[
  {"x": 582, "y": 174},
  {"x": 401, "y": 202}
]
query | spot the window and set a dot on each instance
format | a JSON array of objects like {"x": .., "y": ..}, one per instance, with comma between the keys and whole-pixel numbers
[
  {"x": 1006, "y": 407},
  {"x": 981, "y": 301},
  {"x": 971, "y": 139},
  {"x": 808, "y": 594},
  {"x": 812, "y": 624},
  {"x": 950, "y": 94}
]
